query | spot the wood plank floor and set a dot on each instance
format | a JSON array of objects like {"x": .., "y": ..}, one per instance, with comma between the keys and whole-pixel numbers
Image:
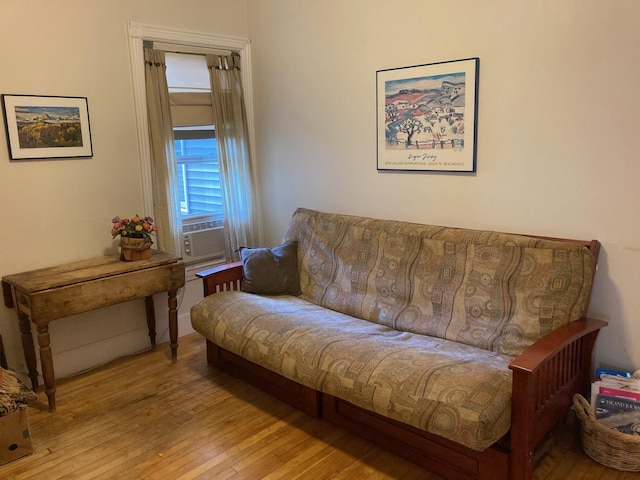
[{"x": 142, "y": 418}]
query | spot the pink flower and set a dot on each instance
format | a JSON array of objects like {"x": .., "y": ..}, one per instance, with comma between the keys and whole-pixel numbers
[{"x": 135, "y": 227}]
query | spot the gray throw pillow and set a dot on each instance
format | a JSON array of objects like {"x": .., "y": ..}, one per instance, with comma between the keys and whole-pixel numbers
[{"x": 271, "y": 271}]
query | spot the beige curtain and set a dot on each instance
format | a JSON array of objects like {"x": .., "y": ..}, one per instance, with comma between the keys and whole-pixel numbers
[
  {"x": 166, "y": 202},
  {"x": 229, "y": 115}
]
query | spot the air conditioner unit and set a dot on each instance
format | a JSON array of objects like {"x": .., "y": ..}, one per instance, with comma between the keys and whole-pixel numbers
[{"x": 202, "y": 241}]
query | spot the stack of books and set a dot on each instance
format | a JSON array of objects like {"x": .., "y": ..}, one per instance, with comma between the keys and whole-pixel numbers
[{"x": 615, "y": 399}]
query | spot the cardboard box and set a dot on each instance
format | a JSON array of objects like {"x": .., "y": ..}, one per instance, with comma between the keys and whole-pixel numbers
[{"x": 15, "y": 437}]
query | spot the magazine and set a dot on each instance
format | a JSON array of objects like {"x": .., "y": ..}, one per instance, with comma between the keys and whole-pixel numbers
[
  {"x": 615, "y": 399},
  {"x": 615, "y": 386},
  {"x": 607, "y": 371},
  {"x": 617, "y": 392},
  {"x": 624, "y": 423},
  {"x": 607, "y": 406},
  {"x": 631, "y": 384}
]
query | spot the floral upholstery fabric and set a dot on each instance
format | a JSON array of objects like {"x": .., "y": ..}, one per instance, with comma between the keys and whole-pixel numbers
[
  {"x": 454, "y": 390},
  {"x": 417, "y": 323},
  {"x": 496, "y": 291}
]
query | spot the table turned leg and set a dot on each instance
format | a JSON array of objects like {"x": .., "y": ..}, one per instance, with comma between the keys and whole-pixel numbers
[
  {"x": 46, "y": 361},
  {"x": 173, "y": 324},
  {"x": 151, "y": 319},
  {"x": 28, "y": 349}
]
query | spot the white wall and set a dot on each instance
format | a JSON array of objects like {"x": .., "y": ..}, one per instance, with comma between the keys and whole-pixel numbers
[
  {"x": 57, "y": 211},
  {"x": 558, "y": 118},
  {"x": 558, "y": 107}
]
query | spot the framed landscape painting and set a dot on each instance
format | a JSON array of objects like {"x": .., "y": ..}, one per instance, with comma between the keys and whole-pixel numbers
[
  {"x": 46, "y": 127},
  {"x": 427, "y": 116}
]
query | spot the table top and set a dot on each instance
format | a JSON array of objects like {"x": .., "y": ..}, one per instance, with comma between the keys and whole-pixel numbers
[{"x": 83, "y": 271}]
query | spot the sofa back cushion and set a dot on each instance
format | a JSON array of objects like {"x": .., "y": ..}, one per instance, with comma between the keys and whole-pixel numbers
[{"x": 496, "y": 291}]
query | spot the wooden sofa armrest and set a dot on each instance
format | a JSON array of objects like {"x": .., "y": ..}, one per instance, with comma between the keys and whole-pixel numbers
[
  {"x": 545, "y": 377},
  {"x": 222, "y": 278}
]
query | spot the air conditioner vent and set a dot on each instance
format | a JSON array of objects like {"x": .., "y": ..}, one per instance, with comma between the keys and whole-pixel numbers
[
  {"x": 203, "y": 241},
  {"x": 196, "y": 227}
]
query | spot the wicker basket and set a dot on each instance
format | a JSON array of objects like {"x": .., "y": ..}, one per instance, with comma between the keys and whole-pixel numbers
[
  {"x": 605, "y": 445},
  {"x": 135, "y": 249}
]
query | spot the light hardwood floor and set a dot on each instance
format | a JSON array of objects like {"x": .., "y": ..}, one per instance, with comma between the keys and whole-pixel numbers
[{"x": 143, "y": 418}]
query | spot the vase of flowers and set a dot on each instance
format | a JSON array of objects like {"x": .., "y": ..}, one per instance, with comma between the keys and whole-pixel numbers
[{"x": 135, "y": 236}]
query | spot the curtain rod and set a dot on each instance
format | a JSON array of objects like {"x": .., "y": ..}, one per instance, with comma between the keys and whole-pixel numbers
[{"x": 188, "y": 49}]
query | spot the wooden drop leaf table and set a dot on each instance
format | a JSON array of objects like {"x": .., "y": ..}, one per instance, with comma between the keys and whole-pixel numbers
[{"x": 41, "y": 296}]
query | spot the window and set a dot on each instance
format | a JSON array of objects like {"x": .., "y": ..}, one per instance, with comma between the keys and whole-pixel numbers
[
  {"x": 195, "y": 143},
  {"x": 196, "y": 156},
  {"x": 195, "y": 45},
  {"x": 198, "y": 173}
]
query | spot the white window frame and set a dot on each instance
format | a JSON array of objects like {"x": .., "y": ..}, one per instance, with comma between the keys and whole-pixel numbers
[{"x": 138, "y": 33}]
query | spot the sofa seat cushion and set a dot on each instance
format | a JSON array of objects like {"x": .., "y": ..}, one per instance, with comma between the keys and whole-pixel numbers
[{"x": 454, "y": 390}]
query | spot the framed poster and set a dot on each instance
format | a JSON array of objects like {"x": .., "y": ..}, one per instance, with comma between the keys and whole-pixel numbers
[
  {"x": 427, "y": 117},
  {"x": 46, "y": 126}
]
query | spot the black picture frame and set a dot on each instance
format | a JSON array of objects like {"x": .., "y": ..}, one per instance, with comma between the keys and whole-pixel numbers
[
  {"x": 46, "y": 127},
  {"x": 427, "y": 117}
]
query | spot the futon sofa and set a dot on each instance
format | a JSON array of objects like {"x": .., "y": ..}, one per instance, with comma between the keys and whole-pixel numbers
[{"x": 459, "y": 349}]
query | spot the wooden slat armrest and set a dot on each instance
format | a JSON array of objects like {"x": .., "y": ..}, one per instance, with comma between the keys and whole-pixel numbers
[
  {"x": 545, "y": 378},
  {"x": 219, "y": 269},
  {"x": 221, "y": 278},
  {"x": 552, "y": 343}
]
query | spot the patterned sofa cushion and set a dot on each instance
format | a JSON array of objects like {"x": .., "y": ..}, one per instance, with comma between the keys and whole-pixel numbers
[
  {"x": 496, "y": 291},
  {"x": 454, "y": 390},
  {"x": 13, "y": 393}
]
